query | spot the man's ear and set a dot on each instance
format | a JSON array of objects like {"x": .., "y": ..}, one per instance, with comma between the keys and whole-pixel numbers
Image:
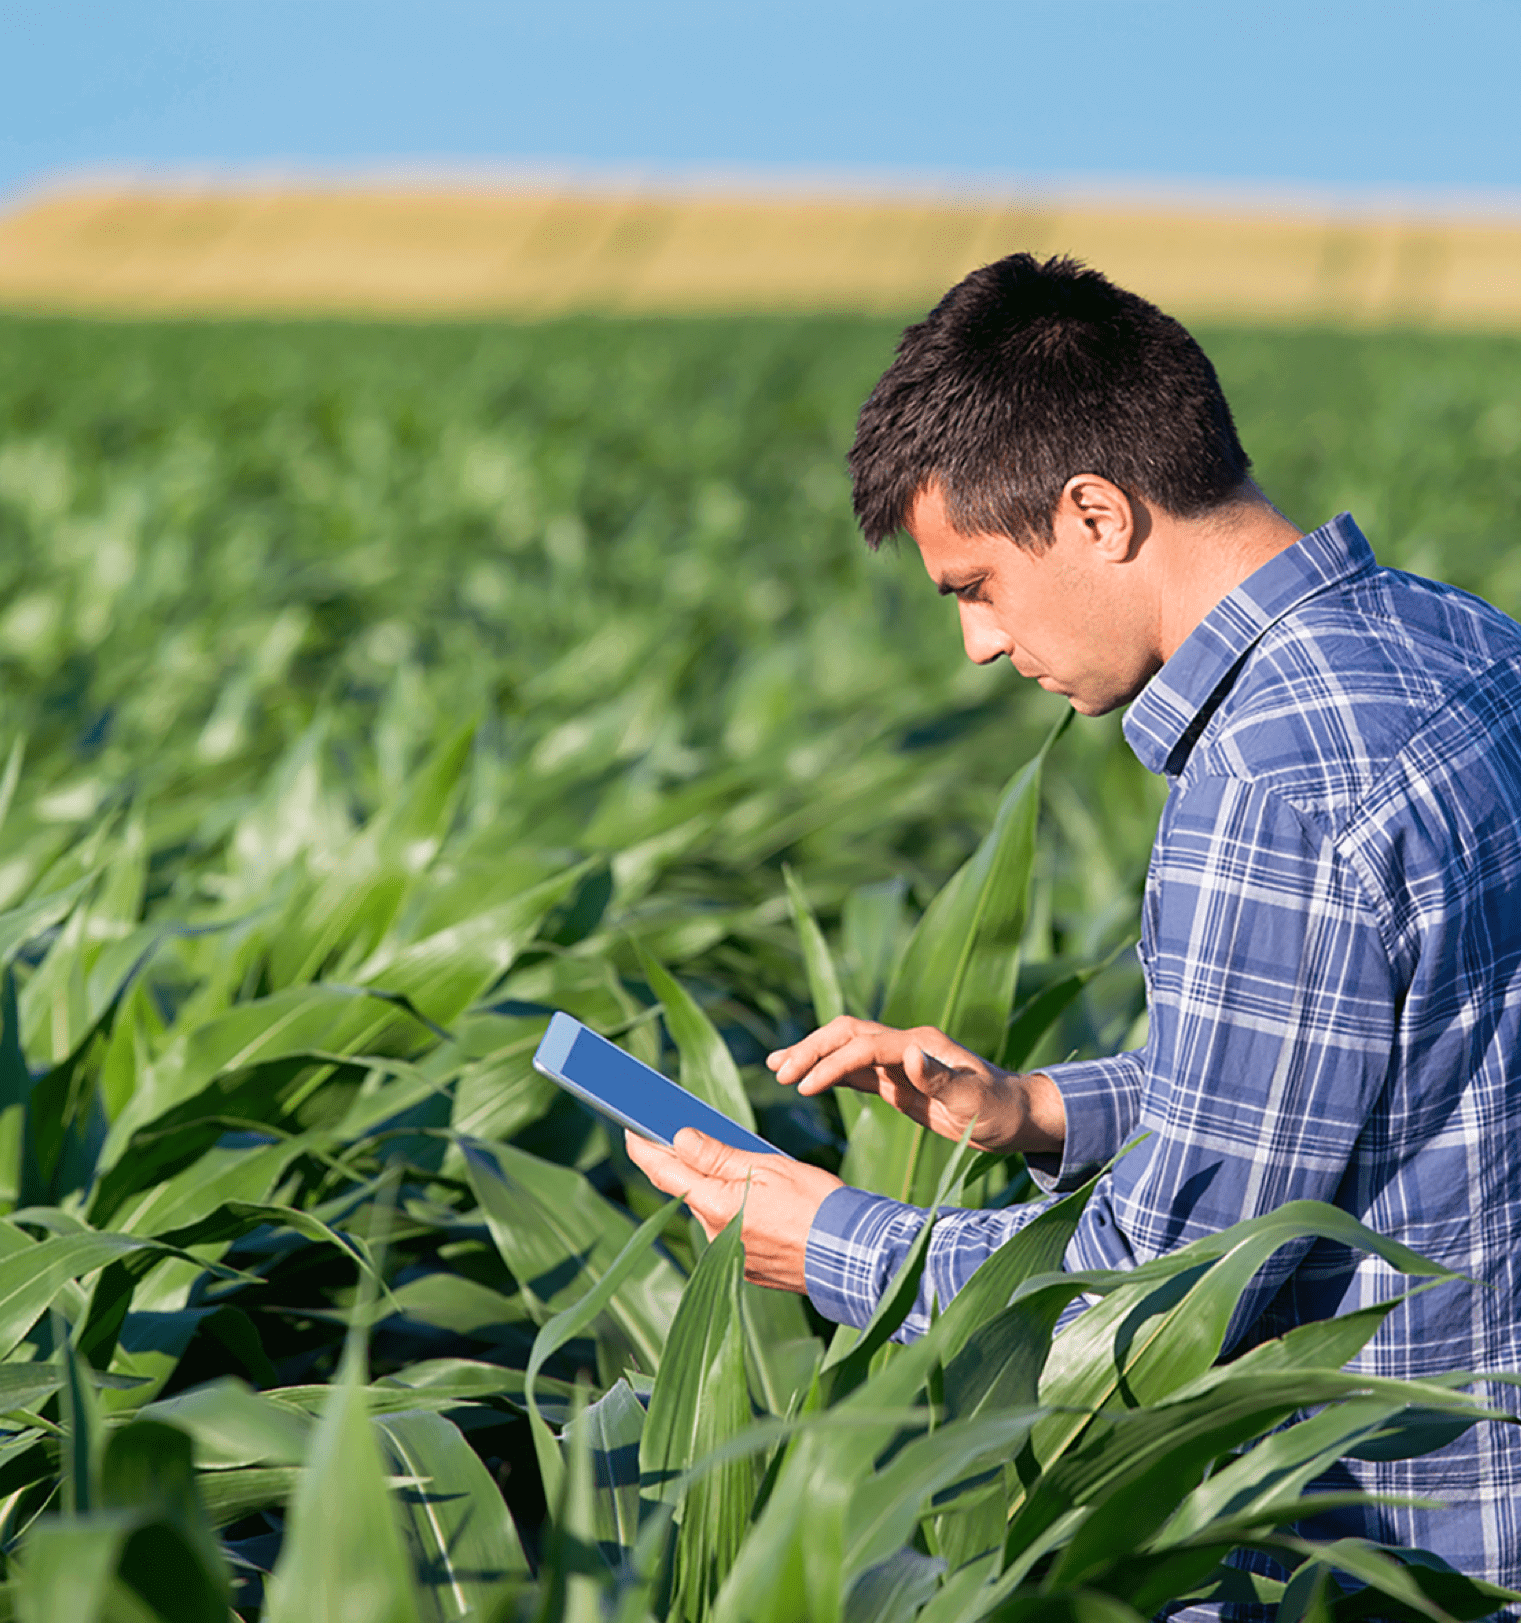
[{"x": 1095, "y": 510}]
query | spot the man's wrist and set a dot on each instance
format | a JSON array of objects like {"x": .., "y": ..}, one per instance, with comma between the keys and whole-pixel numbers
[
  {"x": 1034, "y": 1118},
  {"x": 1046, "y": 1115}
]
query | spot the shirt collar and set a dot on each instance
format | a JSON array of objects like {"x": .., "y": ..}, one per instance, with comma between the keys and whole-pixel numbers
[{"x": 1171, "y": 709}]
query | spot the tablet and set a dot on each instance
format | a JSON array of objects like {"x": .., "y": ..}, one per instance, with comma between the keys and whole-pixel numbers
[{"x": 617, "y": 1085}]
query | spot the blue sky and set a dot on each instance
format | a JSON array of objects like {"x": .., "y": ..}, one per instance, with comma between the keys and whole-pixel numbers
[{"x": 1343, "y": 94}]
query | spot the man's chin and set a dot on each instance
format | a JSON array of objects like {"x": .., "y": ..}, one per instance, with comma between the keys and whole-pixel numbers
[{"x": 1093, "y": 707}]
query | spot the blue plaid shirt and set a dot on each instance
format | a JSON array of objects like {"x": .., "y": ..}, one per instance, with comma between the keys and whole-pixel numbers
[{"x": 1331, "y": 937}]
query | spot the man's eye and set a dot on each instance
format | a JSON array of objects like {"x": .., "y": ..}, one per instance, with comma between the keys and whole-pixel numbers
[{"x": 971, "y": 593}]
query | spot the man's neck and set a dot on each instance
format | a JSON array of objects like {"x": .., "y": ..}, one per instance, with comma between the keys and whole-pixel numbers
[{"x": 1200, "y": 561}]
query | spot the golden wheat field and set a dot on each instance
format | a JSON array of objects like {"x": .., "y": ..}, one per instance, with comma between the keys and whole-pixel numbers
[{"x": 473, "y": 252}]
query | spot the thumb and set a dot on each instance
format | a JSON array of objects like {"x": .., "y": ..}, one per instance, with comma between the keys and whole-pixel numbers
[
  {"x": 924, "y": 1070},
  {"x": 709, "y": 1156}
]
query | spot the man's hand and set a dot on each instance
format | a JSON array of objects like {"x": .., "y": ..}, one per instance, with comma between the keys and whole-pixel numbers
[
  {"x": 931, "y": 1080},
  {"x": 779, "y": 1196}
]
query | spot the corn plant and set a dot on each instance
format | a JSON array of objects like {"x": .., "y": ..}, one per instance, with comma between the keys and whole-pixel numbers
[{"x": 305, "y": 1266}]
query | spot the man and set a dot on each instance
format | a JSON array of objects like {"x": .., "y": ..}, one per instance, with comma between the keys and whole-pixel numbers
[{"x": 1331, "y": 929}]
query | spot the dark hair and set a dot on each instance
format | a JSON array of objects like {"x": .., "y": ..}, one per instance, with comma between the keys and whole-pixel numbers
[{"x": 1026, "y": 374}]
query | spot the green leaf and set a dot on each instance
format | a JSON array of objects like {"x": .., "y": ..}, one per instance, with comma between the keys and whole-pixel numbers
[
  {"x": 707, "y": 1067},
  {"x": 700, "y": 1401},
  {"x": 695, "y": 1377},
  {"x": 791, "y": 1567},
  {"x": 577, "y": 1581},
  {"x": 231, "y": 1495},
  {"x": 844, "y": 1374},
  {"x": 841, "y": 1376},
  {"x": 1162, "y": 1325},
  {"x": 1029, "y": 1254},
  {"x": 961, "y": 964},
  {"x": 82, "y": 1429},
  {"x": 1132, "y": 1467},
  {"x": 465, "y": 1551},
  {"x": 1031, "y": 1022},
  {"x": 1151, "y": 1339},
  {"x": 781, "y": 1350},
  {"x": 232, "y": 1425},
  {"x": 1072, "y": 1606},
  {"x": 172, "y": 1561},
  {"x": 823, "y": 981},
  {"x": 560, "y": 1237},
  {"x": 444, "y": 973},
  {"x": 236, "y": 1218},
  {"x": 999, "y": 1365},
  {"x": 1387, "y": 1575},
  {"x": 613, "y": 1426},
  {"x": 571, "y": 1321},
  {"x": 31, "y": 1279},
  {"x": 20, "y": 925},
  {"x": 894, "y": 1590},
  {"x": 343, "y": 1560},
  {"x": 958, "y": 974},
  {"x": 68, "y": 1568},
  {"x": 873, "y": 929},
  {"x": 25, "y": 1386},
  {"x": 1321, "y": 1344},
  {"x": 887, "y": 1504}
]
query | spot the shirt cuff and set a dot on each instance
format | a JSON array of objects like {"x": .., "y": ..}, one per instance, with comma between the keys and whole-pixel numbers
[
  {"x": 1102, "y": 1098},
  {"x": 853, "y": 1249},
  {"x": 858, "y": 1243}
]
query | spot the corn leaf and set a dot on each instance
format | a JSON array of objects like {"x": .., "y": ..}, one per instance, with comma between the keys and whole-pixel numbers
[
  {"x": 823, "y": 980},
  {"x": 570, "y": 1322},
  {"x": 70, "y": 1567},
  {"x": 344, "y": 1560},
  {"x": 958, "y": 974},
  {"x": 707, "y": 1068},
  {"x": 557, "y": 1234},
  {"x": 614, "y": 1425},
  {"x": 464, "y": 1548},
  {"x": 171, "y": 1561},
  {"x": 700, "y": 1401}
]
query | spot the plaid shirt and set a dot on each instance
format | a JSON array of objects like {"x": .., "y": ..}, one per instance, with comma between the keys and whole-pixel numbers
[{"x": 1331, "y": 936}]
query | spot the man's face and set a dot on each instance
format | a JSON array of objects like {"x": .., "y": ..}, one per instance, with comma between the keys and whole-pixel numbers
[{"x": 1062, "y": 617}]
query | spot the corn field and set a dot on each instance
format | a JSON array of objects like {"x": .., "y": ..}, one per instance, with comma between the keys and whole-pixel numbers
[{"x": 370, "y": 692}]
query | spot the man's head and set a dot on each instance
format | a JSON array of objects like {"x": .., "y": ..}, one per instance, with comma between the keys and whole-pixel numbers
[
  {"x": 1026, "y": 374},
  {"x": 1062, "y": 455}
]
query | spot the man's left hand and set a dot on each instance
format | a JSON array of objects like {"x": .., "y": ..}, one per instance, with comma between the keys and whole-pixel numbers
[{"x": 780, "y": 1202}]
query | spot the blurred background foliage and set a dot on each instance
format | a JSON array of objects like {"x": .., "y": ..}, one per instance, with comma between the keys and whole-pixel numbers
[{"x": 624, "y": 547}]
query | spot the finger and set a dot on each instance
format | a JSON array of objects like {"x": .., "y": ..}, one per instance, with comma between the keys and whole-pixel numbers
[
  {"x": 712, "y": 1201},
  {"x": 907, "y": 1100},
  {"x": 712, "y": 1158},
  {"x": 666, "y": 1170},
  {"x": 714, "y": 1205},
  {"x": 791, "y": 1063},
  {"x": 927, "y": 1071},
  {"x": 856, "y": 1064}
]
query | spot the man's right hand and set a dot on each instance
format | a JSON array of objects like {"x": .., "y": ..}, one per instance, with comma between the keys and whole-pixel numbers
[{"x": 931, "y": 1080}]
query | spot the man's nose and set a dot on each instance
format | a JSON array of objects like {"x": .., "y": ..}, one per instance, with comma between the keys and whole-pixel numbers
[{"x": 984, "y": 640}]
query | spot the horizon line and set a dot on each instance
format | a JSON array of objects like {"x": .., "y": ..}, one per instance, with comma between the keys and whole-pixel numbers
[{"x": 840, "y": 183}]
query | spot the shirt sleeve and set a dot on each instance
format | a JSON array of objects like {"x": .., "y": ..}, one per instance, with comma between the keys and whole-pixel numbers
[
  {"x": 858, "y": 1242},
  {"x": 1272, "y": 1006},
  {"x": 1102, "y": 1098}
]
